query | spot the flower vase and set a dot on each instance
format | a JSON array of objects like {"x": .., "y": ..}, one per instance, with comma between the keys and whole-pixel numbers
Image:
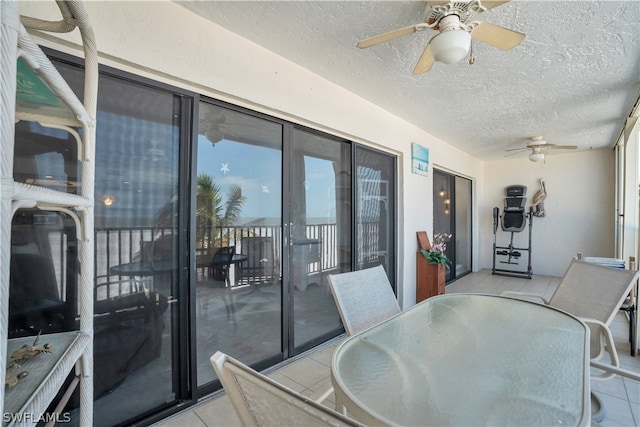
[{"x": 430, "y": 278}]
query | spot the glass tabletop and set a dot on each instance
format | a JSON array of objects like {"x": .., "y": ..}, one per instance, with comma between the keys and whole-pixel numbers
[
  {"x": 145, "y": 268},
  {"x": 462, "y": 359}
]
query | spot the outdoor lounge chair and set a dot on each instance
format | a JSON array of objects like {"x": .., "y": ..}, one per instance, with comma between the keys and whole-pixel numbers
[
  {"x": 260, "y": 401},
  {"x": 594, "y": 294}
]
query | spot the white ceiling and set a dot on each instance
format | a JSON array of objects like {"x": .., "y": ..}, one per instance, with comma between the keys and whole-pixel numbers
[{"x": 573, "y": 79}]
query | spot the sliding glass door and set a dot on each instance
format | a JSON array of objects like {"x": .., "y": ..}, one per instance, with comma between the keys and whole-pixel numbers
[
  {"x": 319, "y": 235},
  {"x": 238, "y": 238},
  {"x": 138, "y": 274},
  {"x": 452, "y": 216},
  {"x": 216, "y": 229}
]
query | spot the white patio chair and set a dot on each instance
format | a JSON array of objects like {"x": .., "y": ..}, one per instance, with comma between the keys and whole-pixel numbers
[
  {"x": 260, "y": 401},
  {"x": 594, "y": 294},
  {"x": 364, "y": 298}
]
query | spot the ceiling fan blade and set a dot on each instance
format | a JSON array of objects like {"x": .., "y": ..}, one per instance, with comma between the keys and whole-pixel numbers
[
  {"x": 515, "y": 153},
  {"x": 496, "y": 36},
  {"x": 517, "y": 149},
  {"x": 425, "y": 62},
  {"x": 490, "y": 4},
  {"x": 381, "y": 38},
  {"x": 562, "y": 147},
  {"x": 437, "y": 2}
]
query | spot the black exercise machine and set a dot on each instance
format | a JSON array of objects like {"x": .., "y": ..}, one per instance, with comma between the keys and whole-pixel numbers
[{"x": 513, "y": 220}]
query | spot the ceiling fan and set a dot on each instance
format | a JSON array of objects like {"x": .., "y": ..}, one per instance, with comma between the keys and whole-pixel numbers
[
  {"x": 539, "y": 147},
  {"x": 215, "y": 128},
  {"x": 452, "y": 43}
]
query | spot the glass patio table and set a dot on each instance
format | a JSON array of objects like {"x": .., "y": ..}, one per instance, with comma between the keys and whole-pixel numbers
[{"x": 467, "y": 359}]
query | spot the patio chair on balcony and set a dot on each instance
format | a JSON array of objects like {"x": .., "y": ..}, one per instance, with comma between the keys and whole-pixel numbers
[
  {"x": 594, "y": 294},
  {"x": 261, "y": 266},
  {"x": 221, "y": 262},
  {"x": 260, "y": 401},
  {"x": 364, "y": 299}
]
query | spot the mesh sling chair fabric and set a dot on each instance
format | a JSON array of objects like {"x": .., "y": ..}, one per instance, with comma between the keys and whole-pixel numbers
[
  {"x": 594, "y": 294},
  {"x": 221, "y": 261},
  {"x": 260, "y": 401},
  {"x": 364, "y": 298}
]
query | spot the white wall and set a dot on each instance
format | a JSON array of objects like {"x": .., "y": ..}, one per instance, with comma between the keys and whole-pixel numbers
[
  {"x": 579, "y": 208},
  {"x": 165, "y": 42}
]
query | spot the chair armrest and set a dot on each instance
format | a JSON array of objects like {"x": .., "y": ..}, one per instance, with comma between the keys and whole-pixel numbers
[
  {"x": 608, "y": 346},
  {"x": 615, "y": 370},
  {"x": 524, "y": 295}
]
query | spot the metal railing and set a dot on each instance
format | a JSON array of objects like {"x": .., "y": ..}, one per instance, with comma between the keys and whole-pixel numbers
[{"x": 117, "y": 246}]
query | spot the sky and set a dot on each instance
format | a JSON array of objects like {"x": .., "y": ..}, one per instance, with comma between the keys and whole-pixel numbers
[{"x": 258, "y": 170}]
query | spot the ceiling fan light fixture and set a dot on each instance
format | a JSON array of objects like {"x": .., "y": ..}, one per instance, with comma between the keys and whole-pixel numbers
[
  {"x": 214, "y": 136},
  {"x": 536, "y": 157},
  {"x": 451, "y": 46}
]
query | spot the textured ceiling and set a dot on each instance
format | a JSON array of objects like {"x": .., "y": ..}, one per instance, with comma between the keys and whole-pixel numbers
[{"x": 573, "y": 79}]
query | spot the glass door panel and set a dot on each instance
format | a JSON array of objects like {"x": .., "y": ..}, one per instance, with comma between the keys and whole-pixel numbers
[
  {"x": 452, "y": 215},
  {"x": 463, "y": 226},
  {"x": 320, "y": 242},
  {"x": 443, "y": 188},
  {"x": 238, "y": 238},
  {"x": 375, "y": 216},
  {"x": 137, "y": 263},
  {"x": 137, "y": 268}
]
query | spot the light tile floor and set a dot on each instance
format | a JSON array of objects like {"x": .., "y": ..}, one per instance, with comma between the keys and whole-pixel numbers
[{"x": 309, "y": 373}]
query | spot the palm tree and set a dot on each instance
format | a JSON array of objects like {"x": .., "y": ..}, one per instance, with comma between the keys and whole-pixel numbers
[{"x": 212, "y": 215}]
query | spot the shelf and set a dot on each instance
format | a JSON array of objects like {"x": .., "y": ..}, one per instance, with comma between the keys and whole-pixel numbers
[
  {"x": 43, "y": 96},
  {"x": 44, "y": 196},
  {"x": 47, "y": 371}
]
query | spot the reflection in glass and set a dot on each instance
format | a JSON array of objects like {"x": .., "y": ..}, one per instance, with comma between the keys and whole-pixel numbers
[
  {"x": 463, "y": 225},
  {"x": 375, "y": 217},
  {"x": 136, "y": 247},
  {"x": 443, "y": 190},
  {"x": 320, "y": 202},
  {"x": 137, "y": 141},
  {"x": 238, "y": 238},
  {"x": 452, "y": 215}
]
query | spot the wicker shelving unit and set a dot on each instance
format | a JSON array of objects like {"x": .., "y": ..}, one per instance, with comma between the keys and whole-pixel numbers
[{"x": 33, "y": 90}]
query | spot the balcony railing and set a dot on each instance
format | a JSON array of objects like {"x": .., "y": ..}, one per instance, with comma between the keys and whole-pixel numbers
[{"x": 117, "y": 246}]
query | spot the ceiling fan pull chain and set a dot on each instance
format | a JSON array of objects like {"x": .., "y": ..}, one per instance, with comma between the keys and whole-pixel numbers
[{"x": 472, "y": 57}]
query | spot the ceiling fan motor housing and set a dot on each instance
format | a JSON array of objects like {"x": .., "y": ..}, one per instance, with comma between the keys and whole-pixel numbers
[
  {"x": 451, "y": 46},
  {"x": 453, "y": 42}
]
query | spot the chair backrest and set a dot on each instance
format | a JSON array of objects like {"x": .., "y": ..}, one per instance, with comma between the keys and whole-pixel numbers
[
  {"x": 593, "y": 291},
  {"x": 261, "y": 264},
  {"x": 260, "y": 401},
  {"x": 224, "y": 254},
  {"x": 220, "y": 262},
  {"x": 364, "y": 298}
]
